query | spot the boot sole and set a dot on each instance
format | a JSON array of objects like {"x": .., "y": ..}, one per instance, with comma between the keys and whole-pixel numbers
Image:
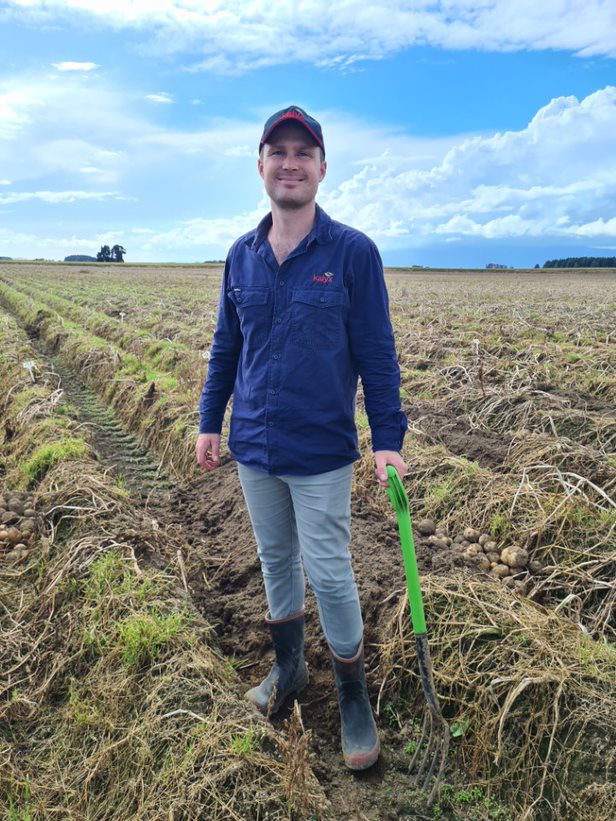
[{"x": 362, "y": 761}]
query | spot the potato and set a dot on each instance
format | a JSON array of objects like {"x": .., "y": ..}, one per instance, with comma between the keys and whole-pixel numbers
[
  {"x": 500, "y": 571},
  {"x": 471, "y": 534},
  {"x": 483, "y": 539},
  {"x": 426, "y": 527},
  {"x": 484, "y": 563},
  {"x": 514, "y": 557},
  {"x": 13, "y": 535}
]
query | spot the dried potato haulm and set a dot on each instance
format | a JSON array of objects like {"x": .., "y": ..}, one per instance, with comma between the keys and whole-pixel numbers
[
  {"x": 114, "y": 701},
  {"x": 529, "y": 696}
]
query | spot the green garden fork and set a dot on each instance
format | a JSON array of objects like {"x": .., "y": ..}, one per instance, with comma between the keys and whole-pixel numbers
[{"x": 433, "y": 745}]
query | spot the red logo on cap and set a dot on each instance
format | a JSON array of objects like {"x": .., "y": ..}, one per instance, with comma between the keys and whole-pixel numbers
[{"x": 294, "y": 114}]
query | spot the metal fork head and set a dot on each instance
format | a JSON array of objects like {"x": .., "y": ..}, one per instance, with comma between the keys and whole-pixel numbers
[
  {"x": 432, "y": 748},
  {"x": 430, "y": 755}
]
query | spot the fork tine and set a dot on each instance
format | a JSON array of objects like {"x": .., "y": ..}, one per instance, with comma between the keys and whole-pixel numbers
[
  {"x": 419, "y": 747},
  {"x": 431, "y": 754}
]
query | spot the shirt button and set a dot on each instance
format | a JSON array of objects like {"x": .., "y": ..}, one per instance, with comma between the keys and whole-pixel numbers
[
  {"x": 271, "y": 424},
  {"x": 281, "y": 282},
  {"x": 278, "y": 319},
  {"x": 273, "y": 390},
  {"x": 276, "y": 356},
  {"x": 322, "y": 299}
]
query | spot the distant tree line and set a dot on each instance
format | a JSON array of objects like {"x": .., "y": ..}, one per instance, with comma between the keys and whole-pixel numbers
[
  {"x": 107, "y": 254},
  {"x": 581, "y": 262}
]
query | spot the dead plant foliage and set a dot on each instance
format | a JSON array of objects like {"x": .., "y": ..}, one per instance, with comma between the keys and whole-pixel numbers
[{"x": 529, "y": 697}]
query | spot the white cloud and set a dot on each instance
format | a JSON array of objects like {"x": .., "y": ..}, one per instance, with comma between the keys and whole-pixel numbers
[
  {"x": 239, "y": 35},
  {"x": 555, "y": 178},
  {"x": 240, "y": 151},
  {"x": 70, "y": 66},
  {"x": 597, "y": 228},
  {"x": 15, "y": 111},
  {"x": 199, "y": 233},
  {"x": 161, "y": 97},
  {"x": 54, "y": 197}
]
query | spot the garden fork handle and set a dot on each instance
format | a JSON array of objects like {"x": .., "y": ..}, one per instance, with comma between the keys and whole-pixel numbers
[{"x": 399, "y": 499}]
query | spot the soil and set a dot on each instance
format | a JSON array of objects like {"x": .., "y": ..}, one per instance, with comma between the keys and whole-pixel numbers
[
  {"x": 455, "y": 431},
  {"x": 225, "y": 583}
]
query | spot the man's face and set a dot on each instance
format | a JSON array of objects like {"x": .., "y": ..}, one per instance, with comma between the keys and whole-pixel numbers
[{"x": 291, "y": 166}]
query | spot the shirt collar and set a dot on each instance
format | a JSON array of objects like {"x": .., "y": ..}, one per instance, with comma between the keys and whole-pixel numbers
[{"x": 321, "y": 231}]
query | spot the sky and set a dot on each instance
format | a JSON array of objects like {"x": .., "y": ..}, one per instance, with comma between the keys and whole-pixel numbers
[{"x": 457, "y": 133}]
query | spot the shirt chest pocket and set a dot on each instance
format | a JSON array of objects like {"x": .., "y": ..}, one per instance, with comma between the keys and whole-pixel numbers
[
  {"x": 253, "y": 309},
  {"x": 317, "y": 318}
]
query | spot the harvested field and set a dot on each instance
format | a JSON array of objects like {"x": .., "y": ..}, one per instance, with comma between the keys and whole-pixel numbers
[{"x": 131, "y": 602}]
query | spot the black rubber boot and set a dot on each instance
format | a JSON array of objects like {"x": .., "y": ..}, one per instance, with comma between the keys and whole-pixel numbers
[
  {"x": 289, "y": 673},
  {"x": 360, "y": 740}
]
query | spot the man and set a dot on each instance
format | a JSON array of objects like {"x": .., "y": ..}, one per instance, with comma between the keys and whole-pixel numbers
[{"x": 303, "y": 313}]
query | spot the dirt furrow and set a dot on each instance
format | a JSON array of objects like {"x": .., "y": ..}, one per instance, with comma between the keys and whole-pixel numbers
[{"x": 116, "y": 448}]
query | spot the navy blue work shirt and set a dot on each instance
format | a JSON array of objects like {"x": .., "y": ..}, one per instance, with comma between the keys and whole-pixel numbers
[{"x": 290, "y": 343}]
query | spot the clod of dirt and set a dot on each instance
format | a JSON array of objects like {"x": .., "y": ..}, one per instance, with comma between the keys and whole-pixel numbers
[{"x": 426, "y": 527}]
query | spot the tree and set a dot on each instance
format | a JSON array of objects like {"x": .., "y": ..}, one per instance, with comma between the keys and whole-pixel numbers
[
  {"x": 104, "y": 255},
  {"x": 107, "y": 254}
]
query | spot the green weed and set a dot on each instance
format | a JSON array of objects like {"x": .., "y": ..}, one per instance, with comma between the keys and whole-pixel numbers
[
  {"x": 20, "y": 808},
  {"x": 247, "y": 743},
  {"x": 48, "y": 455},
  {"x": 142, "y": 637},
  {"x": 499, "y": 526}
]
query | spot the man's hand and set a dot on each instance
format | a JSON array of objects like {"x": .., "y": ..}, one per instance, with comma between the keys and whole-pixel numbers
[
  {"x": 383, "y": 458},
  {"x": 208, "y": 450}
]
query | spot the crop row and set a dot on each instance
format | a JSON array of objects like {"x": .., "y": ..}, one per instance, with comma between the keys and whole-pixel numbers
[
  {"x": 494, "y": 444},
  {"x": 162, "y": 351},
  {"x": 108, "y": 668},
  {"x": 149, "y": 401}
]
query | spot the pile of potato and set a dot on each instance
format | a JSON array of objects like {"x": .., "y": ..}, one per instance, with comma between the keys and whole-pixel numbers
[
  {"x": 18, "y": 525},
  {"x": 511, "y": 564}
]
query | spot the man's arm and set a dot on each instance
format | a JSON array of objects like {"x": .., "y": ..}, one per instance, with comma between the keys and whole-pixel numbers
[
  {"x": 373, "y": 348},
  {"x": 220, "y": 379}
]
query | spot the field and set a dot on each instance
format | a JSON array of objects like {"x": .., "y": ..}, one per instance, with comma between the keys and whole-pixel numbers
[{"x": 131, "y": 602}]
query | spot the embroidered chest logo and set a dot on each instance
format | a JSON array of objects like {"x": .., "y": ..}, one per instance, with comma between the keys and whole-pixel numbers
[{"x": 326, "y": 277}]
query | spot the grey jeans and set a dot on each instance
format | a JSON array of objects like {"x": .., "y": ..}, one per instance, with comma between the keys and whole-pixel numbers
[{"x": 303, "y": 523}]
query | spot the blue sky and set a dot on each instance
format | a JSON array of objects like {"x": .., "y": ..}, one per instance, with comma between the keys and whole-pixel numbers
[{"x": 458, "y": 133}]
